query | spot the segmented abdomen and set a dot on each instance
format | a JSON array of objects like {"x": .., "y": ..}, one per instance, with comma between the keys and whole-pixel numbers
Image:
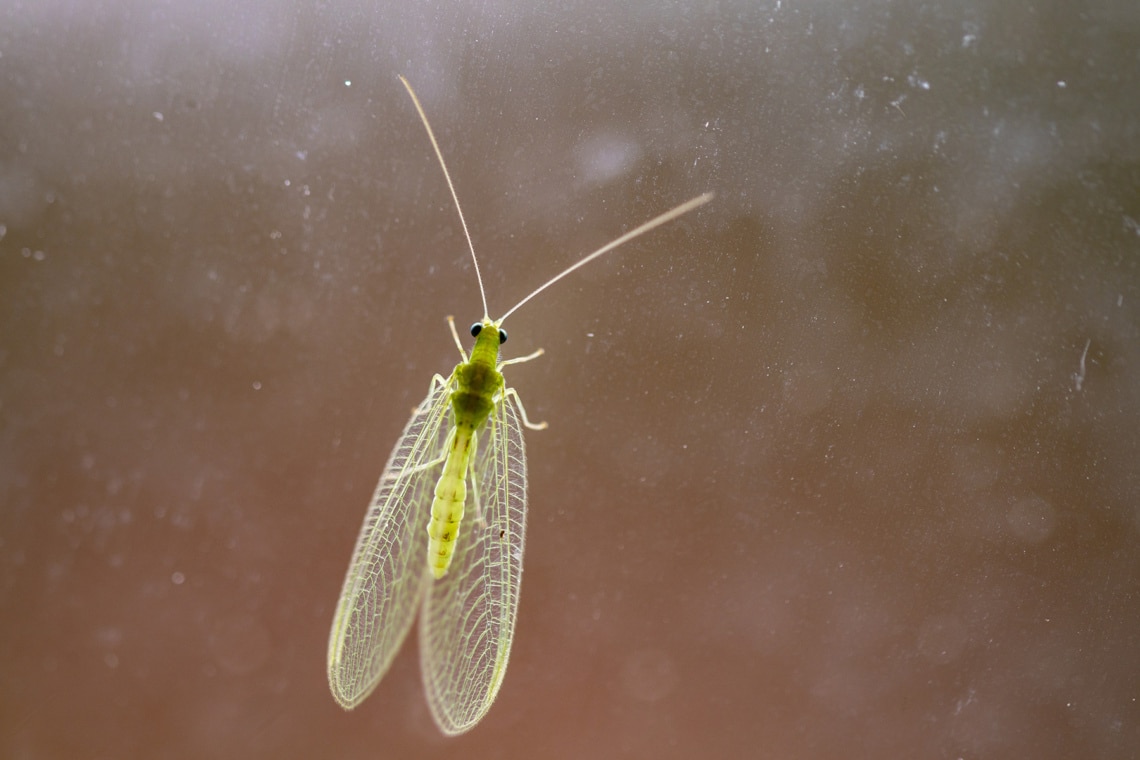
[{"x": 448, "y": 505}]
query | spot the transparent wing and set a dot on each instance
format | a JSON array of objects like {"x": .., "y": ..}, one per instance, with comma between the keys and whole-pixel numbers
[
  {"x": 386, "y": 577},
  {"x": 469, "y": 615}
]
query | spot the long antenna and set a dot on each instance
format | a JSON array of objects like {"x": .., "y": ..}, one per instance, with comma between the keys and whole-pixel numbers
[
  {"x": 451, "y": 187},
  {"x": 656, "y": 221}
]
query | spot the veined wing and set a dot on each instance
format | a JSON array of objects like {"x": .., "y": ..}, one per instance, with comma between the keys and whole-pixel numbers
[
  {"x": 386, "y": 577},
  {"x": 468, "y": 619}
]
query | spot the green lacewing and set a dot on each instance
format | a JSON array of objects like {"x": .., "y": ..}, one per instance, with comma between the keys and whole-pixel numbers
[{"x": 462, "y": 451}]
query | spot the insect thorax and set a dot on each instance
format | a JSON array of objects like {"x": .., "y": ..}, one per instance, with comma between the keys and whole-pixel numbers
[{"x": 477, "y": 384}]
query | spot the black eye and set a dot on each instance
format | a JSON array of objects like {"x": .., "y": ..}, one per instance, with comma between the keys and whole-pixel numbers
[
  {"x": 502, "y": 336},
  {"x": 476, "y": 329}
]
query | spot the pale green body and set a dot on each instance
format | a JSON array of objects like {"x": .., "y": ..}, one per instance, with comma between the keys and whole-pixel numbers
[{"x": 477, "y": 382}]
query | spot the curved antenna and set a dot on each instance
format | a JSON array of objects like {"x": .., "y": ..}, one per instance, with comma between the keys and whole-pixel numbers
[
  {"x": 656, "y": 221},
  {"x": 451, "y": 187}
]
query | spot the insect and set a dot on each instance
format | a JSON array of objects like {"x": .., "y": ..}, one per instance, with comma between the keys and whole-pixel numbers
[{"x": 462, "y": 451}]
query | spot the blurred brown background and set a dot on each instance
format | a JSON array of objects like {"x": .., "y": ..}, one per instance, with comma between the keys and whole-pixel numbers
[{"x": 840, "y": 466}]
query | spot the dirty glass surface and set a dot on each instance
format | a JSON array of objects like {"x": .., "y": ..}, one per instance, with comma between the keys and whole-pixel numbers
[{"x": 840, "y": 465}]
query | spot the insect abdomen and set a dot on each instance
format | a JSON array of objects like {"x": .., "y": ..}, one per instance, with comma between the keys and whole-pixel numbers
[{"x": 448, "y": 505}]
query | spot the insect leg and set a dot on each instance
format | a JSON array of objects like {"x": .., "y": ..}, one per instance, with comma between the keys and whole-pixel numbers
[
  {"x": 521, "y": 359},
  {"x": 475, "y": 498},
  {"x": 422, "y": 466},
  {"x": 437, "y": 379},
  {"x": 455, "y": 334},
  {"x": 522, "y": 411},
  {"x": 418, "y": 468}
]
